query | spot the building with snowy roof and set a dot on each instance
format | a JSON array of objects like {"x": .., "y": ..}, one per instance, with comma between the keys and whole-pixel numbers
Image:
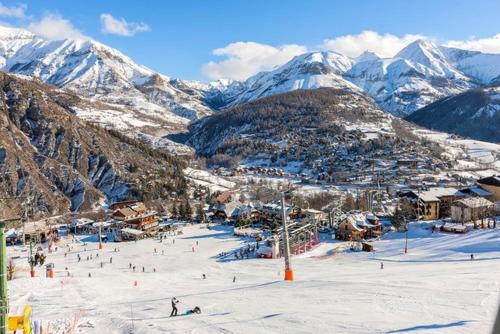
[
  {"x": 359, "y": 225},
  {"x": 472, "y": 209},
  {"x": 492, "y": 185},
  {"x": 432, "y": 203}
]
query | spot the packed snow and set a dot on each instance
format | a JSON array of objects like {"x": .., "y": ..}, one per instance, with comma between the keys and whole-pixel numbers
[{"x": 435, "y": 288}]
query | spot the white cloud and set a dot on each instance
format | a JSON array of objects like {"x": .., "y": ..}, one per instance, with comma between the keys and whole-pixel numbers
[
  {"x": 490, "y": 44},
  {"x": 54, "y": 26},
  {"x": 114, "y": 26},
  {"x": 243, "y": 59},
  {"x": 386, "y": 45},
  {"x": 14, "y": 11}
]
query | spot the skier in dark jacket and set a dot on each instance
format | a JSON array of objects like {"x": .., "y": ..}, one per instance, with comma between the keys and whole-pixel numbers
[{"x": 174, "y": 307}]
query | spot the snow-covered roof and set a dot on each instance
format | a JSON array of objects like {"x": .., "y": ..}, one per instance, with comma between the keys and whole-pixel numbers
[
  {"x": 434, "y": 194},
  {"x": 361, "y": 220},
  {"x": 131, "y": 231},
  {"x": 478, "y": 191},
  {"x": 475, "y": 202},
  {"x": 35, "y": 227},
  {"x": 81, "y": 222}
]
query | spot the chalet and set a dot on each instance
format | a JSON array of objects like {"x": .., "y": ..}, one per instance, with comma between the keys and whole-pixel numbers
[
  {"x": 316, "y": 216},
  {"x": 471, "y": 209},
  {"x": 36, "y": 231},
  {"x": 131, "y": 234},
  {"x": 225, "y": 212},
  {"x": 433, "y": 203},
  {"x": 358, "y": 225},
  {"x": 143, "y": 222},
  {"x": 477, "y": 191},
  {"x": 118, "y": 205},
  {"x": 128, "y": 210},
  {"x": 492, "y": 185},
  {"x": 79, "y": 225}
]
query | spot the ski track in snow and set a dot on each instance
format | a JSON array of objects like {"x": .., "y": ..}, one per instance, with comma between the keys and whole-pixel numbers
[{"x": 434, "y": 288}]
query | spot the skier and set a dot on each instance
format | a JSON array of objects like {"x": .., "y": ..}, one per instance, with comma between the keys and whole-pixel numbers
[
  {"x": 174, "y": 307},
  {"x": 381, "y": 265},
  {"x": 196, "y": 310},
  {"x": 130, "y": 266},
  {"x": 204, "y": 276},
  {"x": 110, "y": 260},
  {"x": 472, "y": 257},
  {"x": 234, "y": 279}
]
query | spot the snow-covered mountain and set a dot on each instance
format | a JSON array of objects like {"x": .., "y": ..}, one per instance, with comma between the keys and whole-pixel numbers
[
  {"x": 135, "y": 99},
  {"x": 483, "y": 67},
  {"x": 308, "y": 71},
  {"x": 474, "y": 113},
  {"x": 148, "y": 102},
  {"x": 418, "y": 75}
]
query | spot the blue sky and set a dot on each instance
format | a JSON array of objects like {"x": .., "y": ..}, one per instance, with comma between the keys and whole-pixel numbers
[{"x": 178, "y": 38}]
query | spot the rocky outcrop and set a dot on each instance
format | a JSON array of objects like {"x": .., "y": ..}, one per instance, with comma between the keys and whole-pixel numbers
[{"x": 51, "y": 161}]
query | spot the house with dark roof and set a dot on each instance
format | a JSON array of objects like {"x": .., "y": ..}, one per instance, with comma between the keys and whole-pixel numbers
[{"x": 492, "y": 185}]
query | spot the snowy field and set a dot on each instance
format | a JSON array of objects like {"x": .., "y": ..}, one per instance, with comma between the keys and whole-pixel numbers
[{"x": 435, "y": 288}]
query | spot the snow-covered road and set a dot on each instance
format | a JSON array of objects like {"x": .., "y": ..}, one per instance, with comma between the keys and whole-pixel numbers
[{"x": 434, "y": 288}]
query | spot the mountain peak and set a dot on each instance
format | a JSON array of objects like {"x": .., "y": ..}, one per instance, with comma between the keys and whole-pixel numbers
[
  {"x": 367, "y": 56},
  {"x": 8, "y": 33},
  {"x": 421, "y": 51}
]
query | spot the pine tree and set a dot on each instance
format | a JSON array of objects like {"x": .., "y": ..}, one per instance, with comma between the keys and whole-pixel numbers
[
  {"x": 175, "y": 212},
  {"x": 397, "y": 218},
  {"x": 188, "y": 211},
  {"x": 200, "y": 214},
  {"x": 349, "y": 203},
  {"x": 182, "y": 211}
]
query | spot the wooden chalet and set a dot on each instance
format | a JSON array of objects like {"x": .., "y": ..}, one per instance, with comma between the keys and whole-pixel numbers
[
  {"x": 492, "y": 185},
  {"x": 143, "y": 222},
  {"x": 472, "y": 209},
  {"x": 128, "y": 210},
  {"x": 433, "y": 203},
  {"x": 359, "y": 225}
]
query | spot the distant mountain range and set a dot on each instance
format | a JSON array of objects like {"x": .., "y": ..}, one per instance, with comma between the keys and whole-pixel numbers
[{"x": 150, "y": 106}]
